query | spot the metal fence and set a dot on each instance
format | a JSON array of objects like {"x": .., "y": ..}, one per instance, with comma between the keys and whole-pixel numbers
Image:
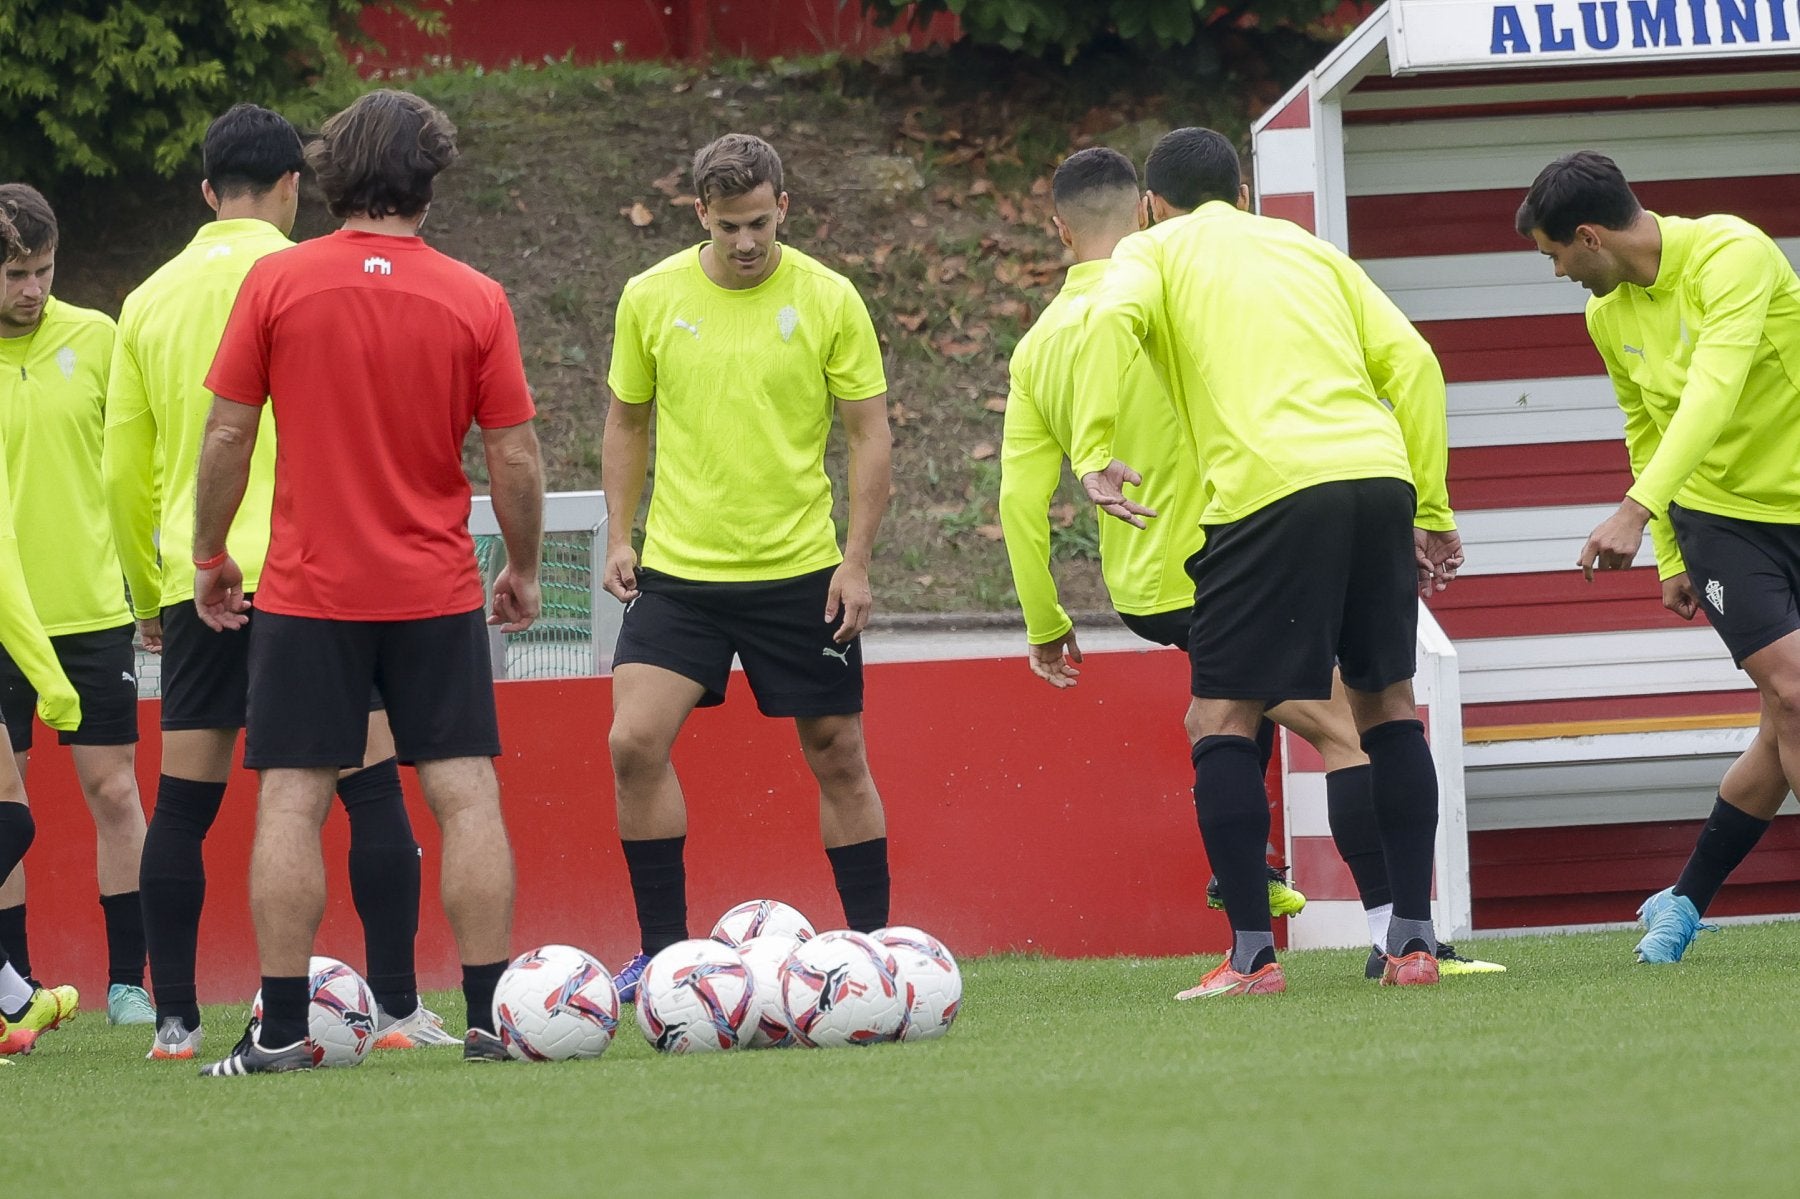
[{"x": 579, "y": 626}]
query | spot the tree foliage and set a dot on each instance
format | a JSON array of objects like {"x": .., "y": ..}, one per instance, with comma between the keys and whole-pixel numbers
[
  {"x": 108, "y": 87},
  {"x": 1065, "y": 27}
]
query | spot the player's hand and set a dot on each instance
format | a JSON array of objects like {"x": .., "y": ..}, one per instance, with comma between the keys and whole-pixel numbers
[
  {"x": 1438, "y": 556},
  {"x": 849, "y": 594},
  {"x": 60, "y": 708},
  {"x": 1107, "y": 489},
  {"x": 1055, "y": 661},
  {"x": 1614, "y": 544},
  {"x": 219, "y": 596},
  {"x": 620, "y": 579},
  {"x": 150, "y": 634},
  {"x": 517, "y": 601},
  {"x": 1680, "y": 597}
]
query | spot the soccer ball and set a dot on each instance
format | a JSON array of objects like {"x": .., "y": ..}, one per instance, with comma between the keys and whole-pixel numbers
[
  {"x": 760, "y": 917},
  {"x": 555, "y": 1003},
  {"x": 931, "y": 974},
  {"x": 340, "y": 1020},
  {"x": 843, "y": 988},
  {"x": 695, "y": 997},
  {"x": 765, "y": 956}
]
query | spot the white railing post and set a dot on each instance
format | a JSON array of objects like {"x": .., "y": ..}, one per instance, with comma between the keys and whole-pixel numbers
[{"x": 1438, "y": 689}]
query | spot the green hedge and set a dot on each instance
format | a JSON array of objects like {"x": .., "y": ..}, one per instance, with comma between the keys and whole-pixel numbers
[
  {"x": 1065, "y": 27},
  {"x": 109, "y": 87}
]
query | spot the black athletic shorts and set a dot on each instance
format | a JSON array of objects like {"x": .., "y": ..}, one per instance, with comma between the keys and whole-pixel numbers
[
  {"x": 1164, "y": 628},
  {"x": 102, "y": 666},
  {"x": 1747, "y": 574},
  {"x": 206, "y": 672},
  {"x": 776, "y": 629},
  {"x": 310, "y": 681},
  {"x": 1321, "y": 577}
]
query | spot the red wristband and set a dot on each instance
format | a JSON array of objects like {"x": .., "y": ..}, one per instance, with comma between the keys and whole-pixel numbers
[{"x": 212, "y": 563}]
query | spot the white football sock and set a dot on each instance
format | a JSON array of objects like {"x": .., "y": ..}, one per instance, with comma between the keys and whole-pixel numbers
[{"x": 1378, "y": 924}]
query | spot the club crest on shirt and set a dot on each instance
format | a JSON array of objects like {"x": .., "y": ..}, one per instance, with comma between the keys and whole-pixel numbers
[
  {"x": 787, "y": 320},
  {"x": 65, "y": 362}
]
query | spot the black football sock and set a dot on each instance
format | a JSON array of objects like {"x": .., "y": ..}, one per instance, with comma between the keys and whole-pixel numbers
[
  {"x": 478, "y": 983},
  {"x": 12, "y": 935},
  {"x": 1729, "y": 836},
  {"x": 172, "y": 886},
  {"x": 1265, "y": 743},
  {"x": 284, "y": 1002},
  {"x": 1350, "y": 809},
  {"x": 861, "y": 871},
  {"x": 1233, "y": 810},
  {"x": 659, "y": 889},
  {"x": 124, "y": 914},
  {"x": 1404, "y": 782},
  {"x": 384, "y": 882}
]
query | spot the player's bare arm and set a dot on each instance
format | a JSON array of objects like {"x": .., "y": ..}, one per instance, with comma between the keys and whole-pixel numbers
[
  {"x": 1679, "y": 596},
  {"x": 624, "y": 459},
  {"x": 224, "y": 472},
  {"x": 516, "y": 475},
  {"x": 871, "y": 445}
]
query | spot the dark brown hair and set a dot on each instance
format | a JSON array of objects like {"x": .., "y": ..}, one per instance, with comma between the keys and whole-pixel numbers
[
  {"x": 379, "y": 156},
  {"x": 32, "y": 219},
  {"x": 735, "y": 165},
  {"x": 1583, "y": 188},
  {"x": 9, "y": 241}
]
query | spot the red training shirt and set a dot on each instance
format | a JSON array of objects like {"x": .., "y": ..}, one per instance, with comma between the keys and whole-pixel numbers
[{"x": 377, "y": 353}]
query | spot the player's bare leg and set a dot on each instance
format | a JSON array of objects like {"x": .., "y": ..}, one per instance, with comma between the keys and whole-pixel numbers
[
  {"x": 851, "y": 820},
  {"x": 477, "y": 872}
]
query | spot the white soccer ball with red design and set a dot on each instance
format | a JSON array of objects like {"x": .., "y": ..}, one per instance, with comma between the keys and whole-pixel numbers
[
  {"x": 340, "y": 1019},
  {"x": 765, "y": 956},
  {"x": 843, "y": 988},
  {"x": 555, "y": 1003},
  {"x": 761, "y": 918},
  {"x": 695, "y": 997},
  {"x": 931, "y": 973}
]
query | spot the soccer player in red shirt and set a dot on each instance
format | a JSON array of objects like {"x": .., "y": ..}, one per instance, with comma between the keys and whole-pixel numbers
[{"x": 377, "y": 353}]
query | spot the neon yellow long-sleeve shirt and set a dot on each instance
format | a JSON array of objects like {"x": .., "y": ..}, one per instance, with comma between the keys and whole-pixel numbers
[
  {"x": 1143, "y": 568},
  {"x": 1288, "y": 365},
  {"x": 22, "y": 633},
  {"x": 1706, "y": 365},
  {"x": 156, "y": 412}
]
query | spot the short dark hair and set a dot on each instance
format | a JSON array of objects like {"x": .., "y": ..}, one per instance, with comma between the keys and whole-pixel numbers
[
  {"x": 1189, "y": 167},
  {"x": 378, "y": 157},
  {"x": 1088, "y": 172},
  {"x": 735, "y": 165},
  {"x": 1583, "y": 188},
  {"x": 249, "y": 149},
  {"x": 9, "y": 241},
  {"x": 32, "y": 219}
]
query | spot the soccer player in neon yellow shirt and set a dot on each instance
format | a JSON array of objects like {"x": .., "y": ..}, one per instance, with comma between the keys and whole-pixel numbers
[
  {"x": 1097, "y": 206},
  {"x": 26, "y": 1009},
  {"x": 1318, "y": 420},
  {"x": 54, "y": 359},
  {"x": 156, "y": 414},
  {"x": 743, "y": 347},
  {"x": 1698, "y": 322}
]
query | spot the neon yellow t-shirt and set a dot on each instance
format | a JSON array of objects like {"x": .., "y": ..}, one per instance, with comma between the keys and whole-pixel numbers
[
  {"x": 52, "y": 416},
  {"x": 1289, "y": 367},
  {"x": 743, "y": 383},
  {"x": 156, "y": 411},
  {"x": 22, "y": 634},
  {"x": 1706, "y": 364},
  {"x": 1143, "y": 568}
]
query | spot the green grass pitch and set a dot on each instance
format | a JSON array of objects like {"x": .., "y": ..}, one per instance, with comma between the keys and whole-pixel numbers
[{"x": 1577, "y": 1073}]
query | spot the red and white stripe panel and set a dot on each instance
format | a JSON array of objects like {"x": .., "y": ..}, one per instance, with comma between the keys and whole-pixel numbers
[
  {"x": 1284, "y": 160},
  {"x": 1434, "y": 169}
]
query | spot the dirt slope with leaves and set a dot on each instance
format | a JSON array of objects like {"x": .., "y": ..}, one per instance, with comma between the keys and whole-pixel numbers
[{"x": 925, "y": 179}]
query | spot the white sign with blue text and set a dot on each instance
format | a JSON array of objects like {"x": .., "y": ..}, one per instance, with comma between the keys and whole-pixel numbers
[{"x": 1439, "y": 34}]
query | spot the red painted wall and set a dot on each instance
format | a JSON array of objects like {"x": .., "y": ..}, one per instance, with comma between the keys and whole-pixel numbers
[
  {"x": 1020, "y": 819},
  {"x": 497, "y": 32}
]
